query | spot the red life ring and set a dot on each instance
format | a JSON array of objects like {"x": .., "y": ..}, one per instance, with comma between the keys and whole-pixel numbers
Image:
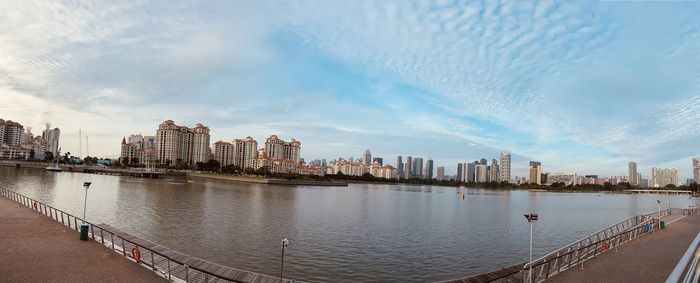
[
  {"x": 136, "y": 253},
  {"x": 604, "y": 246}
]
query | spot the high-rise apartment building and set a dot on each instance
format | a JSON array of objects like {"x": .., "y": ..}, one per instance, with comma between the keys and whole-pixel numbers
[
  {"x": 201, "y": 150},
  {"x": 441, "y": 173},
  {"x": 632, "y": 177},
  {"x": 223, "y": 153},
  {"x": 244, "y": 150},
  {"x": 10, "y": 132},
  {"x": 505, "y": 166},
  {"x": 494, "y": 175},
  {"x": 535, "y": 173},
  {"x": 378, "y": 160},
  {"x": 278, "y": 149},
  {"x": 51, "y": 137},
  {"x": 660, "y": 177},
  {"x": 481, "y": 173},
  {"x": 460, "y": 172},
  {"x": 180, "y": 144}
]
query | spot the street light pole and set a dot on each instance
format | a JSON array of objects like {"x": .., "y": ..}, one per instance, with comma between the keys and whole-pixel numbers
[
  {"x": 285, "y": 243},
  {"x": 658, "y": 205},
  {"x": 531, "y": 217},
  {"x": 84, "y": 226}
]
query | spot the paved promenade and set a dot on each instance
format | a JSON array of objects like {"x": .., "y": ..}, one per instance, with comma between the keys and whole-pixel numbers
[
  {"x": 648, "y": 259},
  {"x": 34, "y": 248}
]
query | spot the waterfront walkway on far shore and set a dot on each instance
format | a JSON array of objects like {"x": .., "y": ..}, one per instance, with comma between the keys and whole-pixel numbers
[
  {"x": 648, "y": 259},
  {"x": 34, "y": 248}
]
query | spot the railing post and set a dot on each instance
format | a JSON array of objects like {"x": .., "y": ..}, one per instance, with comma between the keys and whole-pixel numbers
[
  {"x": 93, "y": 231},
  {"x": 123, "y": 247},
  {"x": 112, "y": 237},
  {"x": 102, "y": 236},
  {"x": 187, "y": 274},
  {"x": 168, "y": 269},
  {"x": 153, "y": 263}
]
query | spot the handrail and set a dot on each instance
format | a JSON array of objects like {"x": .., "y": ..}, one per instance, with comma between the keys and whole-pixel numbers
[
  {"x": 595, "y": 244},
  {"x": 687, "y": 268},
  {"x": 160, "y": 263}
]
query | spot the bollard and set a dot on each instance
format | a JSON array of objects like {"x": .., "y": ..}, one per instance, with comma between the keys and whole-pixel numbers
[{"x": 84, "y": 232}]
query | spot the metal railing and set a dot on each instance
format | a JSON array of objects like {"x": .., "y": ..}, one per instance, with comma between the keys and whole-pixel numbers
[
  {"x": 688, "y": 268},
  {"x": 593, "y": 245},
  {"x": 161, "y": 264}
]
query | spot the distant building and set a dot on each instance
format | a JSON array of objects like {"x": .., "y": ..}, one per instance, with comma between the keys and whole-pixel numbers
[
  {"x": 494, "y": 175},
  {"x": 223, "y": 153},
  {"x": 460, "y": 172},
  {"x": 660, "y": 177},
  {"x": 378, "y": 160},
  {"x": 180, "y": 144},
  {"x": 696, "y": 170},
  {"x": 535, "y": 173},
  {"x": 566, "y": 178},
  {"x": 366, "y": 157},
  {"x": 10, "y": 132},
  {"x": 505, "y": 166},
  {"x": 689, "y": 182},
  {"x": 417, "y": 168},
  {"x": 408, "y": 169},
  {"x": 481, "y": 173},
  {"x": 244, "y": 150},
  {"x": 51, "y": 137},
  {"x": 399, "y": 166},
  {"x": 632, "y": 167},
  {"x": 441, "y": 173},
  {"x": 428, "y": 173}
]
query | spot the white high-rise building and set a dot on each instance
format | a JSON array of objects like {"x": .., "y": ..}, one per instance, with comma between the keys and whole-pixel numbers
[
  {"x": 51, "y": 136},
  {"x": 505, "y": 166},
  {"x": 535, "y": 173},
  {"x": 494, "y": 175},
  {"x": 481, "y": 173},
  {"x": 223, "y": 152},
  {"x": 244, "y": 151},
  {"x": 660, "y": 177},
  {"x": 200, "y": 144},
  {"x": 632, "y": 168}
]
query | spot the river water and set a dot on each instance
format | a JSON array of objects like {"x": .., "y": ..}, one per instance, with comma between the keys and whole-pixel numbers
[{"x": 367, "y": 233}]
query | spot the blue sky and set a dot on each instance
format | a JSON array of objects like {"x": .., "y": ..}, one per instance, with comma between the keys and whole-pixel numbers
[{"x": 582, "y": 86}]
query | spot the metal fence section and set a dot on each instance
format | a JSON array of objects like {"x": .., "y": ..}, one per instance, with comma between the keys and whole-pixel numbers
[
  {"x": 161, "y": 263},
  {"x": 688, "y": 268}
]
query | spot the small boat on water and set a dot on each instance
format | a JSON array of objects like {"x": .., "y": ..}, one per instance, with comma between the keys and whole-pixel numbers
[
  {"x": 53, "y": 167},
  {"x": 54, "y": 163}
]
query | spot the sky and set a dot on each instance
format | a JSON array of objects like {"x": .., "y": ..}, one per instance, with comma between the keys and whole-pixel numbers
[{"x": 582, "y": 86}]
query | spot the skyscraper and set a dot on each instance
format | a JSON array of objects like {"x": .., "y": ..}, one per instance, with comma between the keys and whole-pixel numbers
[
  {"x": 417, "y": 167},
  {"x": 399, "y": 166},
  {"x": 408, "y": 172},
  {"x": 481, "y": 173},
  {"x": 200, "y": 144},
  {"x": 632, "y": 177},
  {"x": 505, "y": 166},
  {"x": 378, "y": 160},
  {"x": 696, "y": 170},
  {"x": 428, "y": 169},
  {"x": 460, "y": 172},
  {"x": 173, "y": 143},
  {"x": 493, "y": 171},
  {"x": 10, "y": 132},
  {"x": 51, "y": 136},
  {"x": 535, "y": 173},
  {"x": 367, "y": 157}
]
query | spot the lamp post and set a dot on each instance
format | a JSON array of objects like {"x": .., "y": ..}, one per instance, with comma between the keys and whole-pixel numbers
[
  {"x": 531, "y": 218},
  {"x": 84, "y": 226},
  {"x": 658, "y": 205},
  {"x": 285, "y": 243}
]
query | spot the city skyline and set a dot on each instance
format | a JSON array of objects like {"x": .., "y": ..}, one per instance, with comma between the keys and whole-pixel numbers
[{"x": 579, "y": 87}]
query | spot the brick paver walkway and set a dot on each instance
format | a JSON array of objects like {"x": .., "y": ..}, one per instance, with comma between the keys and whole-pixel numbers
[
  {"x": 34, "y": 248},
  {"x": 649, "y": 259}
]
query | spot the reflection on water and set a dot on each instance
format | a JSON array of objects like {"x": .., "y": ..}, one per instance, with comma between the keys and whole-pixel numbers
[{"x": 363, "y": 232}]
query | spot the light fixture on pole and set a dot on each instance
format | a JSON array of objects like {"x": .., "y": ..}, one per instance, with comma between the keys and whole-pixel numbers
[
  {"x": 531, "y": 218},
  {"x": 84, "y": 226},
  {"x": 285, "y": 243}
]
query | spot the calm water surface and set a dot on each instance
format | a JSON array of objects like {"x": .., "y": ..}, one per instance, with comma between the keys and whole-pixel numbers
[{"x": 369, "y": 233}]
